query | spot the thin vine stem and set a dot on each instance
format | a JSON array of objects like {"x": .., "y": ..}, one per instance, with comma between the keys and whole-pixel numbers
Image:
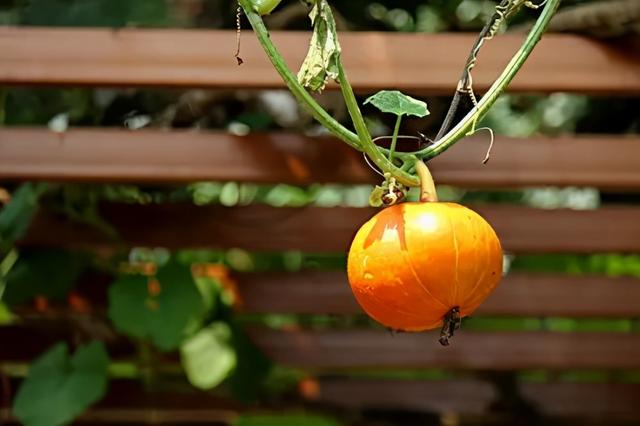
[
  {"x": 394, "y": 140},
  {"x": 467, "y": 123},
  {"x": 291, "y": 80},
  {"x": 362, "y": 140},
  {"x": 366, "y": 143},
  {"x": 505, "y": 9}
]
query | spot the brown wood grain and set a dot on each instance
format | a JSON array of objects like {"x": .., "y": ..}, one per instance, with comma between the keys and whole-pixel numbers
[
  {"x": 519, "y": 294},
  {"x": 467, "y": 397},
  {"x": 316, "y": 229},
  {"x": 128, "y": 402},
  {"x": 470, "y": 397},
  {"x": 331, "y": 350},
  {"x": 337, "y": 351},
  {"x": 416, "y": 62},
  {"x": 155, "y": 156}
]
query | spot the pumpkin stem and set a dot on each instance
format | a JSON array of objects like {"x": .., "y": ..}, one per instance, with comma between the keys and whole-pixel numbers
[
  {"x": 451, "y": 324},
  {"x": 427, "y": 186}
]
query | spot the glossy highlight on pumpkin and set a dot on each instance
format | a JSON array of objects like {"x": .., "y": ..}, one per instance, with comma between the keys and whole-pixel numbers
[{"x": 412, "y": 263}]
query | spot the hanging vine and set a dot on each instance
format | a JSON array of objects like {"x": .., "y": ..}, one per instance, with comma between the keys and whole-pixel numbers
[{"x": 361, "y": 140}]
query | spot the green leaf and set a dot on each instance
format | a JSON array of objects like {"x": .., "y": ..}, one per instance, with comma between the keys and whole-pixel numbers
[
  {"x": 159, "y": 308},
  {"x": 395, "y": 102},
  {"x": 321, "y": 63},
  {"x": 292, "y": 420},
  {"x": 16, "y": 216},
  {"x": 209, "y": 357},
  {"x": 49, "y": 273},
  {"x": 59, "y": 388}
]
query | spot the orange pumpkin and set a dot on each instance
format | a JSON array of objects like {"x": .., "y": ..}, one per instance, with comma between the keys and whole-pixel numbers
[{"x": 413, "y": 265}]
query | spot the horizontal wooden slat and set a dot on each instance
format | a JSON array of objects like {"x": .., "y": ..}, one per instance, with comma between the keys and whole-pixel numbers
[
  {"x": 534, "y": 295},
  {"x": 455, "y": 396},
  {"x": 476, "y": 398},
  {"x": 331, "y": 351},
  {"x": 29, "y": 339},
  {"x": 484, "y": 351},
  {"x": 188, "y": 58},
  {"x": 155, "y": 156},
  {"x": 315, "y": 229},
  {"x": 132, "y": 403},
  {"x": 159, "y": 156},
  {"x": 129, "y": 403}
]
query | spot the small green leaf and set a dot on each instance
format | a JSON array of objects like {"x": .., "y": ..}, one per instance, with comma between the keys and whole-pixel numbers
[
  {"x": 291, "y": 420},
  {"x": 209, "y": 357},
  {"x": 59, "y": 388},
  {"x": 159, "y": 308},
  {"x": 395, "y": 102},
  {"x": 321, "y": 63}
]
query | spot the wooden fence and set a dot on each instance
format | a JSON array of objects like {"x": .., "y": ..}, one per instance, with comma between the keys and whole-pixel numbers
[{"x": 426, "y": 64}]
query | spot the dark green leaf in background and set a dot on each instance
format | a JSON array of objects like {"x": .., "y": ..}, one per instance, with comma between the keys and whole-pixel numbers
[
  {"x": 59, "y": 387},
  {"x": 16, "y": 216},
  {"x": 163, "y": 314},
  {"x": 48, "y": 273}
]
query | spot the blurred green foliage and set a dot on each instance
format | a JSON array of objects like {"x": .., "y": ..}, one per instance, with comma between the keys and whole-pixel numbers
[
  {"x": 60, "y": 387},
  {"x": 161, "y": 308},
  {"x": 48, "y": 273},
  {"x": 209, "y": 356},
  {"x": 195, "y": 315},
  {"x": 16, "y": 216}
]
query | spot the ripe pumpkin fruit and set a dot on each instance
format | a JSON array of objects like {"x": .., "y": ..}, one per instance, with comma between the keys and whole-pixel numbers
[{"x": 417, "y": 265}]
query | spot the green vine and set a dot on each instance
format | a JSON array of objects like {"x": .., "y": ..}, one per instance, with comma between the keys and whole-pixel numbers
[
  {"x": 361, "y": 140},
  {"x": 291, "y": 80},
  {"x": 466, "y": 125},
  {"x": 366, "y": 143}
]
